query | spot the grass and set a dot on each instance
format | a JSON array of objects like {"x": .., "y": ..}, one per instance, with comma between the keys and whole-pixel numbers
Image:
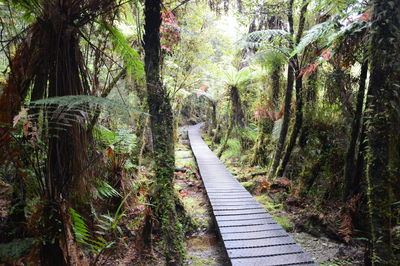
[
  {"x": 268, "y": 204},
  {"x": 284, "y": 221}
]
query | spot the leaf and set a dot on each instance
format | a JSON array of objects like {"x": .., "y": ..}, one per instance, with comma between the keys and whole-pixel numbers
[{"x": 21, "y": 113}]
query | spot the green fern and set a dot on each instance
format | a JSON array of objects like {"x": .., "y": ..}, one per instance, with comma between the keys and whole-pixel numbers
[
  {"x": 79, "y": 227},
  {"x": 268, "y": 35},
  {"x": 82, "y": 235},
  {"x": 106, "y": 191},
  {"x": 123, "y": 140},
  {"x": 79, "y": 103},
  {"x": 317, "y": 32},
  {"x": 272, "y": 55},
  {"x": 131, "y": 57},
  {"x": 237, "y": 78}
]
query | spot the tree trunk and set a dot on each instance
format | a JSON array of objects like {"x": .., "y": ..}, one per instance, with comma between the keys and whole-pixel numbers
[
  {"x": 297, "y": 124},
  {"x": 349, "y": 167},
  {"x": 236, "y": 108},
  {"x": 293, "y": 63},
  {"x": 161, "y": 122},
  {"x": 275, "y": 82},
  {"x": 385, "y": 70}
]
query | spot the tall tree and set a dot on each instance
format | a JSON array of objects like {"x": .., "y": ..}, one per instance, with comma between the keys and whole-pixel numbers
[
  {"x": 161, "y": 123},
  {"x": 349, "y": 168},
  {"x": 292, "y": 74},
  {"x": 49, "y": 60},
  {"x": 383, "y": 90}
]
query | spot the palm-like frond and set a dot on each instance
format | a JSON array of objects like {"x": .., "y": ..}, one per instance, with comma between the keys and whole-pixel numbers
[
  {"x": 318, "y": 32},
  {"x": 131, "y": 57},
  {"x": 237, "y": 78},
  {"x": 272, "y": 53},
  {"x": 85, "y": 103},
  {"x": 258, "y": 39}
]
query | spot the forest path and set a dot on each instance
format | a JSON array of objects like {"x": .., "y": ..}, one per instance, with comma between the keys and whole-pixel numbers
[{"x": 250, "y": 235}]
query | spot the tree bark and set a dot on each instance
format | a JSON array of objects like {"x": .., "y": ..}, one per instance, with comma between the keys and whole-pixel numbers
[
  {"x": 161, "y": 122},
  {"x": 293, "y": 64},
  {"x": 236, "y": 108},
  {"x": 296, "y": 127},
  {"x": 349, "y": 167},
  {"x": 385, "y": 70}
]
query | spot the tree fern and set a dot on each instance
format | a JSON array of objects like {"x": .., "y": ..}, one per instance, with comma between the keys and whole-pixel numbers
[
  {"x": 271, "y": 54},
  {"x": 237, "y": 78},
  {"x": 318, "y": 32},
  {"x": 131, "y": 57},
  {"x": 84, "y": 103},
  {"x": 258, "y": 39}
]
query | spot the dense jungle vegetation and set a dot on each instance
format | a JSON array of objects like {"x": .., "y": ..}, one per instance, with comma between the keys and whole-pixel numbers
[{"x": 300, "y": 99}]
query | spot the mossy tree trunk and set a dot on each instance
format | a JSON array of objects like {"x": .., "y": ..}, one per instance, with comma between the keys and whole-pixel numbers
[
  {"x": 237, "y": 116},
  {"x": 296, "y": 127},
  {"x": 384, "y": 73},
  {"x": 266, "y": 125},
  {"x": 293, "y": 68},
  {"x": 161, "y": 122},
  {"x": 349, "y": 167}
]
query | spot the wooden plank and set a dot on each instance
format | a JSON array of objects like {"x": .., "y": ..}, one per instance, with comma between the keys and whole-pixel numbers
[
  {"x": 290, "y": 259},
  {"x": 264, "y": 242},
  {"x": 264, "y": 251},
  {"x": 238, "y": 212},
  {"x": 245, "y": 222},
  {"x": 250, "y": 232},
  {"x": 243, "y": 218}
]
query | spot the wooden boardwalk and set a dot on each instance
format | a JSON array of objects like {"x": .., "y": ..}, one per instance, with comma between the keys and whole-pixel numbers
[{"x": 250, "y": 235}]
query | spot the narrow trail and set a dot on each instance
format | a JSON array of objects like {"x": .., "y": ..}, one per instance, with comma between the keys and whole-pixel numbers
[{"x": 250, "y": 235}]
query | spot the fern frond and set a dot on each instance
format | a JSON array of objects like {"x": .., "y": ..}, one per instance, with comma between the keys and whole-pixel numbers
[
  {"x": 131, "y": 57},
  {"x": 236, "y": 78},
  {"x": 258, "y": 39},
  {"x": 123, "y": 140},
  {"x": 268, "y": 35},
  {"x": 85, "y": 103},
  {"x": 272, "y": 54},
  {"x": 318, "y": 32},
  {"x": 31, "y": 9},
  {"x": 106, "y": 191},
  {"x": 352, "y": 29},
  {"x": 79, "y": 227}
]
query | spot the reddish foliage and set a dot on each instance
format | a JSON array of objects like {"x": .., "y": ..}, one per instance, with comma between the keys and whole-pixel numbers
[
  {"x": 170, "y": 35},
  {"x": 366, "y": 16},
  {"x": 268, "y": 109},
  {"x": 346, "y": 226}
]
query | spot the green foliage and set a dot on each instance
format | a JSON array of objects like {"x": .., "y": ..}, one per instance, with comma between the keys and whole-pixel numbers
[
  {"x": 15, "y": 249},
  {"x": 106, "y": 224},
  {"x": 258, "y": 39},
  {"x": 31, "y": 9},
  {"x": 123, "y": 140},
  {"x": 86, "y": 103},
  {"x": 284, "y": 221},
  {"x": 106, "y": 191},
  {"x": 233, "y": 148},
  {"x": 80, "y": 229},
  {"x": 316, "y": 33},
  {"x": 131, "y": 57}
]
